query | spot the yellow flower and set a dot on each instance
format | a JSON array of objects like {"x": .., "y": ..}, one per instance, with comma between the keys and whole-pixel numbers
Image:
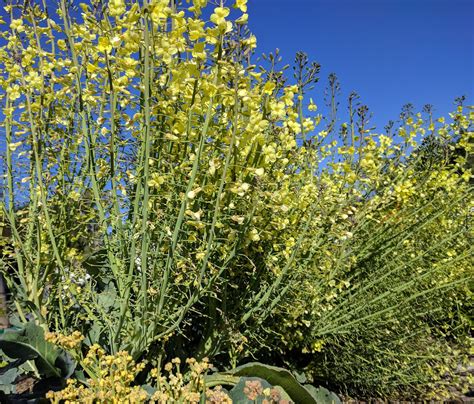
[
  {"x": 91, "y": 68},
  {"x": 251, "y": 42},
  {"x": 116, "y": 7},
  {"x": 159, "y": 11},
  {"x": 61, "y": 44},
  {"x": 278, "y": 109},
  {"x": 192, "y": 194},
  {"x": 196, "y": 29},
  {"x": 241, "y": 4},
  {"x": 199, "y": 51},
  {"x": 317, "y": 345},
  {"x": 200, "y": 3},
  {"x": 238, "y": 219},
  {"x": 219, "y": 15},
  {"x": 74, "y": 195},
  {"x": 17, "y": 25},
  {"x": 156, "y": 180},
  {"x": 243, "y": 19},
  {"x": 259, "y": 171},
  {"x": 269, "y": 87},
  {"x": 104, "y": 45},
  {"x": 14, "y": 146},
  {"x": 253, "y": 235},
  {"x": 312, "y": 106}
]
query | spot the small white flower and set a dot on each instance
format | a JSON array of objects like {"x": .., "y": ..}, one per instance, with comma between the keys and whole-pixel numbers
[
  {"x": 138, "y": 263},
  {"x": 238, "y": 219}
]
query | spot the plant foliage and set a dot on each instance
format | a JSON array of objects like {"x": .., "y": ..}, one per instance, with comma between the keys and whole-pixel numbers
[{"x": 166, "y": 196}]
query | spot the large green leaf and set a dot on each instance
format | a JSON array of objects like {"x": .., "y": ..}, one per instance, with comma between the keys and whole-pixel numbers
[
  {"x": 107, "y": 298},
  {"x": 65, "y": 364},
  {"x": 281, "y": 379},
  {"x": 283, "y": 394},
  {"x": 220, "y": 379},
  {"x": 7, "y": 381},
  {"x": 277, "y": 377},
  {"x": 322, "y": 395},
  {"x": 29, "y": 344}
]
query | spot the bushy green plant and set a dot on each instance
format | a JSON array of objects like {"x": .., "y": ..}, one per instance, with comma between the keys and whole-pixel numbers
[
  {"x": 166, "y": 196},
  {"x": 176, "y": 159},
  {"x": 383, "y": 309}
]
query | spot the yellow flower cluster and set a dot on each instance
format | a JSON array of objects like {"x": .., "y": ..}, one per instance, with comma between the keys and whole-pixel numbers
[
  {"x": 217, "y": 396},
  {"x": 113, "y": 377},
  {"x": 176, "y": 387},
  {"x": 112, "y": 380},
  {"x": 67, "y": 342}
]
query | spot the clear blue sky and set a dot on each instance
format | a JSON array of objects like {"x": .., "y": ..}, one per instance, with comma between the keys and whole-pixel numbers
[{"x": 390, "y": 51}]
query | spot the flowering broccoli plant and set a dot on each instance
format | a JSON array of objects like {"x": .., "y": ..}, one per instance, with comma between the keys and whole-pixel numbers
[
  {"x": 150, "y": 169},
  {"x": 166, "y": 194}
]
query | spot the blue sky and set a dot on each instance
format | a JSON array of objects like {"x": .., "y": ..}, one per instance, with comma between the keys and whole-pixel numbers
[{"x": 390, "y": 51}]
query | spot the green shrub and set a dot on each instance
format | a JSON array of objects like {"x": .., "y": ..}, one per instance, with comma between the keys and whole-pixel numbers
[{"x": 386, "y": 311}]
